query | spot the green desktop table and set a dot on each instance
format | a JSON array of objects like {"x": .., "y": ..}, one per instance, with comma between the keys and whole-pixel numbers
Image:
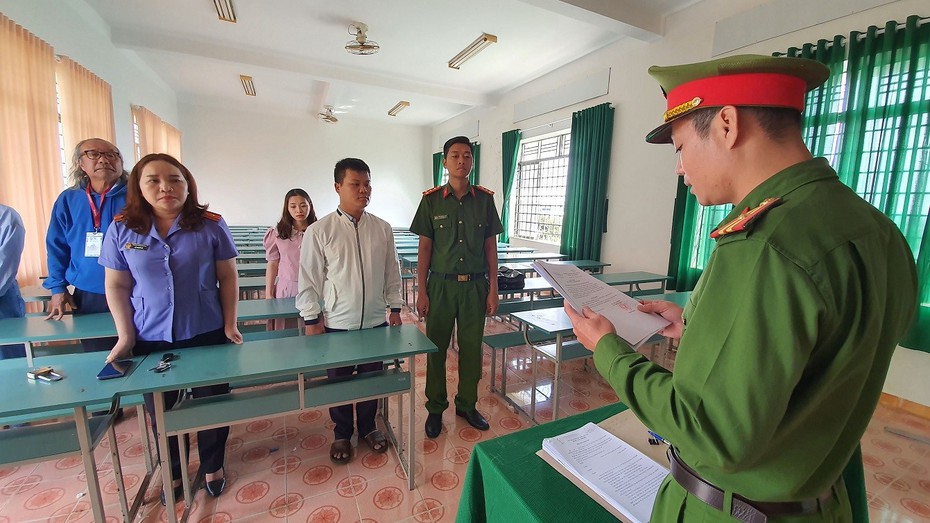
[
  {"x": 290, "y": 360},
  {"x": 251, "y": 257},
  {"x": 507, "y": 481},
  {"x": 36, "y": 329},
  {"x": 78, "y": 389},
  {"x": 251, "y": 268}
]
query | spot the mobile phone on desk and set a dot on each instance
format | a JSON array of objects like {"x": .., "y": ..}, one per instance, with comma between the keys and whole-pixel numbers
[{"x": 114, "y": 369}]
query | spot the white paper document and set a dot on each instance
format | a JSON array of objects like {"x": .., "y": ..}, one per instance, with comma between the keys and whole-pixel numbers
[
  {"x": 581, "y": 290},
  {"x": 623, "y": 476}
]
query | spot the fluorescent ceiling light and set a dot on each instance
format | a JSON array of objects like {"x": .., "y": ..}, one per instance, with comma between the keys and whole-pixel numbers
[
  {"x": 473, "y": 48},
  {"x": 225, "y": 10},
  {"x": 247, "y": 84},
  {"x": 401, "y": 105}
]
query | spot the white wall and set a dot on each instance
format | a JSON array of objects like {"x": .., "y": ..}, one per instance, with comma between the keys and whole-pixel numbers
[
  {"x": 74, "y": 29},
  {"x": 642, "y": 180},
  {"x": 245, "y": 162}
]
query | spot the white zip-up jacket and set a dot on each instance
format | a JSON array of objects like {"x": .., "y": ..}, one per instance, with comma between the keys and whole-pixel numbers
[{"x": 348, "y": 271}]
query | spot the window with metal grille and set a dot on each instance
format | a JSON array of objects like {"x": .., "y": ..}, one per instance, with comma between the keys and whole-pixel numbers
[{"x": 539, "y": 193}]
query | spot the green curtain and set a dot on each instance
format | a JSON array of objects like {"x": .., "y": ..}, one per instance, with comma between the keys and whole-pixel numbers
[
  {"x": 871, "y": 121},
  {"x": 510, "y": 152},
  {"x": 437, "y": 168},
  {"x": 476, "y": 155},
  {"x": 585, "y": 218},
  {"x": 684, "y": 220}
]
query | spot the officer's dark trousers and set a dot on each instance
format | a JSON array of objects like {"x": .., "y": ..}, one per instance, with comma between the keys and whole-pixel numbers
[
  {"x": 450, "y": 303},
  {"x": 211, "y": 443},
  {"x": 365, "y": 411},
  {"x": 92, "y": 303}
]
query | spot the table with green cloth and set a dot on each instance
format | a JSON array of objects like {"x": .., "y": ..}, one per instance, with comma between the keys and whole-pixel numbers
[{"x": 507, "y": 481}]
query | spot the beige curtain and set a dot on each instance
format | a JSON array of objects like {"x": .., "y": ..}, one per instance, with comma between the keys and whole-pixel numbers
[
  {"x": 154, "y": 135},
  {"x": 30, "y": 158},
  {"x": 86, "y": 104}
]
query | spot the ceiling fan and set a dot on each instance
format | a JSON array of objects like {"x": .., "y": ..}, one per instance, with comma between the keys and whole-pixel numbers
[
  {"x": 327, "y": 114},
  {"x": 361, "y": 45}
]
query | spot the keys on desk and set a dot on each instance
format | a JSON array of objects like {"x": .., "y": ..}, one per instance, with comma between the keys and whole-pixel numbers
[{"x": 165, "y": 362}]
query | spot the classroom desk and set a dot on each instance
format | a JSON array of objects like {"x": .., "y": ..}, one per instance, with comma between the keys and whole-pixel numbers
[
  {"x": 251, "y": 250},
  {"x": 282, "y": 358},
  {"x": 592, "y": 266},
  {"x": 36, "y": 329},
  {"x": 632, "y": 282},
  {"x": 507, "y": 481},
  {"x": 251, "y": 258},
  {"x": 251, "y": 287},
  {"x": 78, "y": 389},
  {"x": 517, "y": 257},
  {"x": 35, "y": 293},
  {"x": 251, "y": 269}
]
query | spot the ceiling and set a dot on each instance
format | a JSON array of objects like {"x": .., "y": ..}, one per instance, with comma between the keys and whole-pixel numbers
[{"x": 294, "y": 49}]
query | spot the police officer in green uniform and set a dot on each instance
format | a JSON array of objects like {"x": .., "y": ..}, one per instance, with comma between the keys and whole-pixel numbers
[
  {"x": 787, "y": 337},
  {"x": 458, "y": 227}
]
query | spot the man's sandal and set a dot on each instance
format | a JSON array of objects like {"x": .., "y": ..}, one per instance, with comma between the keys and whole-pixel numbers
[
  {"x": 376, "y": 442},
  {"x": 340, "y": 451}
]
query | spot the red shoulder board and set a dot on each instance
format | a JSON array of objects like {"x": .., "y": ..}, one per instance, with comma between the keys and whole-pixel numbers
[
  {"x": 212, "y": 216},
  {"x": 484, "y": 189},
  {"x": 431, "y": 191},
  {"x": 745, "y": 218},
  {"x": 119, "y": 217}
]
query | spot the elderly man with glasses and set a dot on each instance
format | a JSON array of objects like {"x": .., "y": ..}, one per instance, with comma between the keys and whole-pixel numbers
[{"x": 79, "y": 220}]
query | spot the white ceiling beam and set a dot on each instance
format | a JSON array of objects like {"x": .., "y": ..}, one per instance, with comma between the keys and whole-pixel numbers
[
  {"x": 146, "y": 40},
  {"x": 626, "y": 17}
]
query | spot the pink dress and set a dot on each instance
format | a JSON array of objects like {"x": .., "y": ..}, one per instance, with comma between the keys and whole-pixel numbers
[{"x": 287, "y": 254}]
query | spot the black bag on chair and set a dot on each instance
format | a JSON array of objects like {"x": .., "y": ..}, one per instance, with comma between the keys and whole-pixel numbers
[{"x": 509, "y": 279}]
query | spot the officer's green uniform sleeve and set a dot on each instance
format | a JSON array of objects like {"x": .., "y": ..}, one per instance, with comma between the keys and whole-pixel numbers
[
  {"x": 495, "y": 226},
  {"x": 739, "y": 360},
  {"x": 422, "y": 224}
]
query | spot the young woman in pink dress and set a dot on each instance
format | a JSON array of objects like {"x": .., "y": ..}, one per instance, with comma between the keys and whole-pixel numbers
[{"x": 282, "y": 249}]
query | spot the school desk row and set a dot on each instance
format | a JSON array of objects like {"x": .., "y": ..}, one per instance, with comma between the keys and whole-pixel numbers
[{"x": 286, "y": 361}]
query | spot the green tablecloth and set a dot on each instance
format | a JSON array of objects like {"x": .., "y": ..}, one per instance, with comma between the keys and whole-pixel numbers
[{"x": 508, "y": 482}]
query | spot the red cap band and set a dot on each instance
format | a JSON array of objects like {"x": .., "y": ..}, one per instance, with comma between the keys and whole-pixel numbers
[{"x": 754, "y": 89}]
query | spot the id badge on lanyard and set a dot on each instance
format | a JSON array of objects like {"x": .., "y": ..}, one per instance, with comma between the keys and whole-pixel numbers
[{"x": 94, "y": 240}]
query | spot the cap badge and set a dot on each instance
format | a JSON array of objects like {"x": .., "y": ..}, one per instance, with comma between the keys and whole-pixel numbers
[{"x": 680, "y": 109}]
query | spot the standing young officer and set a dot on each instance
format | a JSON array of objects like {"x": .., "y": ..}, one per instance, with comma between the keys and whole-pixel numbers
[
  {"x": 787, "y": 337},
  {"x": 458, "y": 227},
  {"x": 349, "y": 264}
]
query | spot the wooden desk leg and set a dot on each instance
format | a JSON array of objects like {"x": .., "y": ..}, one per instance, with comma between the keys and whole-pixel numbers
[
  {"x": 533, "y": 388},
  {"x": 90, "y": 464},
  {"x": 162, "y": 442}
]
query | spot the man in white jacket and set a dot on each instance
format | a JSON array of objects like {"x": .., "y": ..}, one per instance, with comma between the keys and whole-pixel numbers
[{"x": 349, "y": 275}]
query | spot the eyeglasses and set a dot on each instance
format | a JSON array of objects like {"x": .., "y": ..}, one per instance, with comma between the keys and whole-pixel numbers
[
  {"x": 165, "y": 362},
  {"x": 95, "y": 155}
]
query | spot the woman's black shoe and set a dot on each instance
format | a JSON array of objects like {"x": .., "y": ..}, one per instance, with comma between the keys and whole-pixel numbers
[
  {"x": 178, "y": 495},
  {"x": 215, "y": 488}
]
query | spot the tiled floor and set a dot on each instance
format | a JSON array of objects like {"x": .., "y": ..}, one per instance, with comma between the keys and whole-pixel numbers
[{"x": 279, "y": 469}]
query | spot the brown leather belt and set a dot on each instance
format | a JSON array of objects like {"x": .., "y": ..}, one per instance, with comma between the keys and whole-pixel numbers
[
  {"x": 461, "y": 277},
  {"x": 743, "y": 509}
]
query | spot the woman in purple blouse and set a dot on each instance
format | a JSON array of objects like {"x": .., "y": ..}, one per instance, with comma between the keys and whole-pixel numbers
[{"x": 171, "y": 283}]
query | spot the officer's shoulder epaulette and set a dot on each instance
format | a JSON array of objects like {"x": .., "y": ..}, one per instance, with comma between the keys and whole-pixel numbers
[
  {"x": 431, "y": 191},
  {"x": 484, "y": 189},
  {"x": 745, "y": 218},
  {"x": 212, "y": 216},
  {"x": 119, "y": 217}
]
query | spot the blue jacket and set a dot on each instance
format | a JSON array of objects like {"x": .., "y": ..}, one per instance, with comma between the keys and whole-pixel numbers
[
  {"x": 67, "y": 232},
  {"x": 12, "y": 237}
]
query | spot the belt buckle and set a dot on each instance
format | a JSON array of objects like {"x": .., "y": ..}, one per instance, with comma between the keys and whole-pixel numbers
[{"x": 462, "y": 277}]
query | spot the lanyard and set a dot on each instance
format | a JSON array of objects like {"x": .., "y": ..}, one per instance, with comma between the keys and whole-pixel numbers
[{"x": 93, "y": 208}]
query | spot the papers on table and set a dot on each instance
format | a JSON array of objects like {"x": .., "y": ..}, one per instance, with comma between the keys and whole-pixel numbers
[
  {"x": 621, "y": 475},
  {"x": 583, "y": 290}
]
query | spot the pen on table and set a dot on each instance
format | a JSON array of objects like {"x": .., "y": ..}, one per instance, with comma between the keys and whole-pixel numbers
[{"x": 656, "y": 439}]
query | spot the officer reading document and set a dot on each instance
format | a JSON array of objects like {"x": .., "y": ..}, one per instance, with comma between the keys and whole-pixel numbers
[{"x": 787, "y": 338}]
